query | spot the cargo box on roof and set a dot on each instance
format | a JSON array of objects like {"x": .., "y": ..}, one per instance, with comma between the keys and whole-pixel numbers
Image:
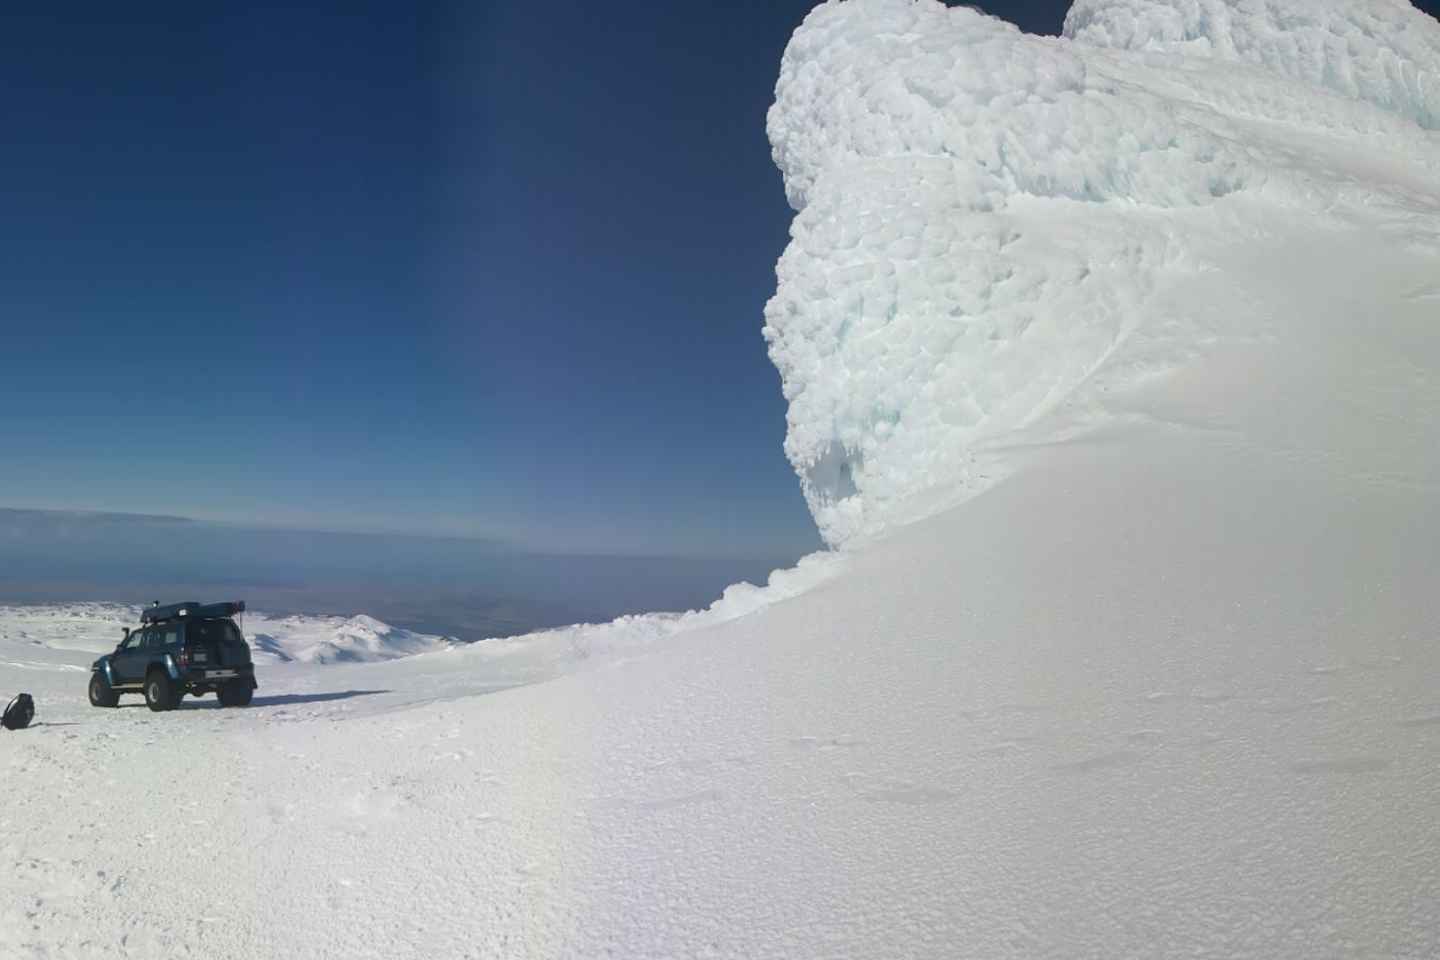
[{"x": 204, "y": 611}]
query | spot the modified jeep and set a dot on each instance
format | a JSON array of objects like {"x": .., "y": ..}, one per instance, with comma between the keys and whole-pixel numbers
[{"x": 183, "y": 648}]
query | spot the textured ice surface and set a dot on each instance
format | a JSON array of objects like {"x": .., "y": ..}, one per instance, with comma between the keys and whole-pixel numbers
[
  {"x": 1384, "y": 52},
  {"x": 980, "y": 213}
]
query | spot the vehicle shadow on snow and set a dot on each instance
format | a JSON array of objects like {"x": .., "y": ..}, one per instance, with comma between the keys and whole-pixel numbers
[
  {"x": 277, "y": 700},
  {"x": 283, "y": 699}
]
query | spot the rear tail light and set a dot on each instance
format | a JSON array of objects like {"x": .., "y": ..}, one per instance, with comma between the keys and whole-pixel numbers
[{"x": 184, "y": 659}]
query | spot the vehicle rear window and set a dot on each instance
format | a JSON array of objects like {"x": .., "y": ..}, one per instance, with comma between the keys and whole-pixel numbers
[{"x": 223, "y": 632}]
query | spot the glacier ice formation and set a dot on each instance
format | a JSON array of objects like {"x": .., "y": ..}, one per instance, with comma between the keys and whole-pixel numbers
[{"x": 982, "y": 216}]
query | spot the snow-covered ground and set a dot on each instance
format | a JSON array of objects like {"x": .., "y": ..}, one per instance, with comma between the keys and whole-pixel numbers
[{"x": 1114, "y": 367}]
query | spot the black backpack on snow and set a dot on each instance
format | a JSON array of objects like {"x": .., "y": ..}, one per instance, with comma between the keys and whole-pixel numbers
[{"x": 19, "y": 714}]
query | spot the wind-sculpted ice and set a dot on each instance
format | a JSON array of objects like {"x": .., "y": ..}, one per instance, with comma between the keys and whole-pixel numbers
[
  {"x": 983, "y": 215},
  {"x": 1384, "y": 52}
]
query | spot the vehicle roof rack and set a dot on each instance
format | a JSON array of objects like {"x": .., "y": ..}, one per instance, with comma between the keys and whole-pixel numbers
[{"x": 202, "y": 611}]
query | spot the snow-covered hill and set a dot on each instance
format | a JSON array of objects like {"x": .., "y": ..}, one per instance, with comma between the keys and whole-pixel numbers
[
  {"x": 1114, "y": 367},
  {"x": 316, "y": 639}
]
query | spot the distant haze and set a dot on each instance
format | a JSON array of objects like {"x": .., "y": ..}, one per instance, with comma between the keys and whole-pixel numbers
[{"x": 470, "y": 589}]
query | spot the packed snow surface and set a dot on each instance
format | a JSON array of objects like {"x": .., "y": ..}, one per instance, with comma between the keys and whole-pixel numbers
[{"x": 1114, "y": 365}]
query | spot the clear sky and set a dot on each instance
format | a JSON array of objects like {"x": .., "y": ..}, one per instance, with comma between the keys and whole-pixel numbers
[{"x": 493, "y": 269}]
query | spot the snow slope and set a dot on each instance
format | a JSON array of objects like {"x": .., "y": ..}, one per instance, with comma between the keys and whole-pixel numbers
[{"x": 1131, "y": 650}]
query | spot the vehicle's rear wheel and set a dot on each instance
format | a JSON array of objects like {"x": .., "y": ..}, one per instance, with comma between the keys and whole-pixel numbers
[
  {"x": 159, "y": 692},
  {"x": 100, "y": 693},
  {"x": 236, "y": 693}
]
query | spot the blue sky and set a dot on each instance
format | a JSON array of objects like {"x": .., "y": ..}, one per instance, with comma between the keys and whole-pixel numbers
[{"x": 493, "y": 269}]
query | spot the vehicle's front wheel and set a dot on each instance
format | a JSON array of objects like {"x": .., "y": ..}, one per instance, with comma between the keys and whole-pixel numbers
[
  {"x": 159, "y": 692},
  {"x": 100, "y": 693},
  {"x": 236, "y": 693}
]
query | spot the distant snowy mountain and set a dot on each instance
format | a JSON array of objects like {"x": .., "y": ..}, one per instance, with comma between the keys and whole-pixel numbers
[
  {"x": 318, "y": 639},
  {"x": 96, "y": 628}
]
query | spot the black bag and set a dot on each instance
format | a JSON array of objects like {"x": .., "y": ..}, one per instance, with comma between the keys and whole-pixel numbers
[{"x": 19, "y": 714}]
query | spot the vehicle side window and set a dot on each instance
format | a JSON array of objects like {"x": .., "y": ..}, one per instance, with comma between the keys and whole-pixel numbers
[
  {"x": 132, "y": 642},
  {"x": 171, "y": 638}
]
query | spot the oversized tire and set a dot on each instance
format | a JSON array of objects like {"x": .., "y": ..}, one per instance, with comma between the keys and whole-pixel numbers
[
  {"x": 100, "y": 693},
  {"x": 236, "y": 693},
  {"x": 159, "y": 691}
]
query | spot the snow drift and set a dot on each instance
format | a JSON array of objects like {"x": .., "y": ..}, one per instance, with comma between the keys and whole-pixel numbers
[{"x": 930, "y": 305}]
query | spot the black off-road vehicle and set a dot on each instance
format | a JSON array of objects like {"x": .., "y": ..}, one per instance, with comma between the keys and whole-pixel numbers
[{"x": 178, "y": 649}]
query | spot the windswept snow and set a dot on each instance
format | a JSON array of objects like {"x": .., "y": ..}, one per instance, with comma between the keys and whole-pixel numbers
[{"x": 1114, "y": 365}]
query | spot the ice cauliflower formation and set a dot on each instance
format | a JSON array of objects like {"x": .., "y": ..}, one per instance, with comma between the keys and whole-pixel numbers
[{"x": 982, "y": 214}]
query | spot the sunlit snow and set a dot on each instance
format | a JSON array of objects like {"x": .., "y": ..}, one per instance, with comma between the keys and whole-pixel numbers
[{"x": 1113, "y": 371}]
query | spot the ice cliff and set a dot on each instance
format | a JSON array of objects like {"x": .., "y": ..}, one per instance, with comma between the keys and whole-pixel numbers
[{"x": 982, "y": 216}]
